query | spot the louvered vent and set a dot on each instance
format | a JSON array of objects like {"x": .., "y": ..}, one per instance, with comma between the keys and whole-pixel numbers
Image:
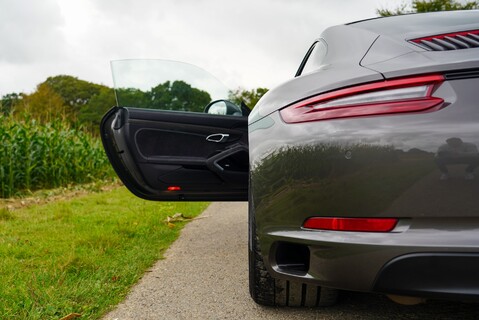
[{"x": 449, "y": 41}]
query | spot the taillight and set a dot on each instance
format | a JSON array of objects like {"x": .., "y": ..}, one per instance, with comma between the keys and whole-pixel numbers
[
  {"x": 173, "y": 188},
  {"x": 351, "y": 224},
  {"x": 378, "y": 98}
]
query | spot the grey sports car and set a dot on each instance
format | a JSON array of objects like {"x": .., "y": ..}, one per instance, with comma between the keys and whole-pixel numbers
[{"x": 359, "y": 171}]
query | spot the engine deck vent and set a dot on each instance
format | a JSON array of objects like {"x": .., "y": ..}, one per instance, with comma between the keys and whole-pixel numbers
[{"x": 449, "y": 41}]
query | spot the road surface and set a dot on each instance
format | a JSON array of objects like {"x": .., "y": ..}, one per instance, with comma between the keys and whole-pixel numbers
[{"x": 205, "y": 276}]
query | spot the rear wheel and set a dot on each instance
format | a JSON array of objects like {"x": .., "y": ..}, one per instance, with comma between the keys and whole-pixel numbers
[{"x": 268, "y": 291}]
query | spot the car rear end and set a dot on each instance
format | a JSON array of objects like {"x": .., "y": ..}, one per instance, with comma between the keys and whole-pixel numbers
[{"x": 370, "y": 182}]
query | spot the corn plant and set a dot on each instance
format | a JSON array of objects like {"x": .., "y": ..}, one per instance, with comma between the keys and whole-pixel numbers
[{"x": 37, "y": 155}]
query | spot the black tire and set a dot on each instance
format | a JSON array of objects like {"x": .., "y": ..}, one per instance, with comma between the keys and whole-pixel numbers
[{"x": 268, "y": 291}]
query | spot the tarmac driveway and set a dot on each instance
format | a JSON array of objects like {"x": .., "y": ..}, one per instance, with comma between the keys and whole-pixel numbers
[{"x": 205, "y": 276}]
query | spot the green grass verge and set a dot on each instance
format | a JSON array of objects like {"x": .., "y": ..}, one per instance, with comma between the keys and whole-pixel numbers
[{"x": 81, "y": 255}]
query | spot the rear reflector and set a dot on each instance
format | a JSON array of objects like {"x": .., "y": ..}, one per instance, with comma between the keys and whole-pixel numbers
[
  {"x": 173, "y": 188},
  {"x": 351, "y": 224},
  {"x": 378, "y": 98}
]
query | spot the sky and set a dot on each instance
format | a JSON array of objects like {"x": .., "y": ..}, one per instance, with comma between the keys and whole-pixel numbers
[{"x": 244, "y": 43}]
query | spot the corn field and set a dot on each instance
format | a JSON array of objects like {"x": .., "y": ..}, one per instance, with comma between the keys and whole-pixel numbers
[{"x": 41, "y": 156}]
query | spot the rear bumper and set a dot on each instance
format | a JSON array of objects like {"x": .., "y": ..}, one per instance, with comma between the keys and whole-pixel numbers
[
  {"x": 413, "y": 260},
  {"x": 435, "y": 275}
]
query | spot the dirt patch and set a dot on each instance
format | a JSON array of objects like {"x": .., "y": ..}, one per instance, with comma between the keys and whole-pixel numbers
[{"x": 59, "y": 194}]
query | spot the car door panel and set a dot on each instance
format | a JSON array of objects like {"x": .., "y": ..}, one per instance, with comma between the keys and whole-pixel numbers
[{"x": 164, "y": 155}]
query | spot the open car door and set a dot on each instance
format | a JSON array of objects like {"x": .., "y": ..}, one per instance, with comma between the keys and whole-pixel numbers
[{"x": 173, "y": 136}]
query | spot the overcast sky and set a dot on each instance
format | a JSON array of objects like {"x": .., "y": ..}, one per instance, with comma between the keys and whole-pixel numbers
[{"x": 247, "y": 43}]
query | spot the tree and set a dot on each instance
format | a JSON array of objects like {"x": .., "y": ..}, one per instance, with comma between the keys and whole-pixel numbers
[
  {"x": 187, "y": 98},
  {"x": 130, "y": 97},
  {"x": 428, "y": 6},
  {"x": 248, "y": 97},
  {"x": 8, "y": 102},
  {"x": 74, "y": 92},
  {"x": 77, "y": 96},
  {"x": 90, "y": 114},
  {"x": 44, "y": 104},
  {"x": 177, "y": 95},
  {"x": 79, "y": 102},
  {"x": 82, "y": 103}
]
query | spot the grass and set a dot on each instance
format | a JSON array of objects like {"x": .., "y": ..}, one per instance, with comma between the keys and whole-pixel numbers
[{"x": 81, "y": 255}]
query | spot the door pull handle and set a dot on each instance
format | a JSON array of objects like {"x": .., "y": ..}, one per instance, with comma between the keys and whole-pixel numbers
[{"x": 218, "y": 137}]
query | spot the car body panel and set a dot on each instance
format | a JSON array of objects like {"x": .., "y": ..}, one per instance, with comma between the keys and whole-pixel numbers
[
  {"x": 426, "y": 62},
  {"x": 377, "y": 166},
  {"x": 382, "y": 166},
  {"x": 409, "y": 26},
  {"x": 336, "y": 71}
]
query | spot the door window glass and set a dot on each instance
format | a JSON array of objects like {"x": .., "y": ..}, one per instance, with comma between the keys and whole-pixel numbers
[{"x": 169, "y": 85}]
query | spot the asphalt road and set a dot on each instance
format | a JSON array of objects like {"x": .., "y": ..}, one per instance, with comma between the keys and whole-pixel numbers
[{"x": 205, "y": 276}]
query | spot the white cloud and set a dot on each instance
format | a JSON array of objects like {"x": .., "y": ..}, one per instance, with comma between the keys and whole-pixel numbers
[
  {"x": 30, "y": 32},
  {"x": 247, "y": 43}
]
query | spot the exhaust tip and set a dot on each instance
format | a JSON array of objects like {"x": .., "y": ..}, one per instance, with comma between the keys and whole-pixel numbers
[{"x": 406, "y": 300}]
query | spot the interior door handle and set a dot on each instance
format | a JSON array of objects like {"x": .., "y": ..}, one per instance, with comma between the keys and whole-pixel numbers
[{"x": 218, "y": 137}]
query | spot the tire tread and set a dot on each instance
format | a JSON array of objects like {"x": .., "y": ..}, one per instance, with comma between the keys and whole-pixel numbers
[{"x": 268, "y": 291}]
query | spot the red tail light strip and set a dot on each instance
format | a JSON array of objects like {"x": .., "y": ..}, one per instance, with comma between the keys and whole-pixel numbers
[
  {"x": 311, "y": 110},
  {"x": 351, "y": 224}
]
